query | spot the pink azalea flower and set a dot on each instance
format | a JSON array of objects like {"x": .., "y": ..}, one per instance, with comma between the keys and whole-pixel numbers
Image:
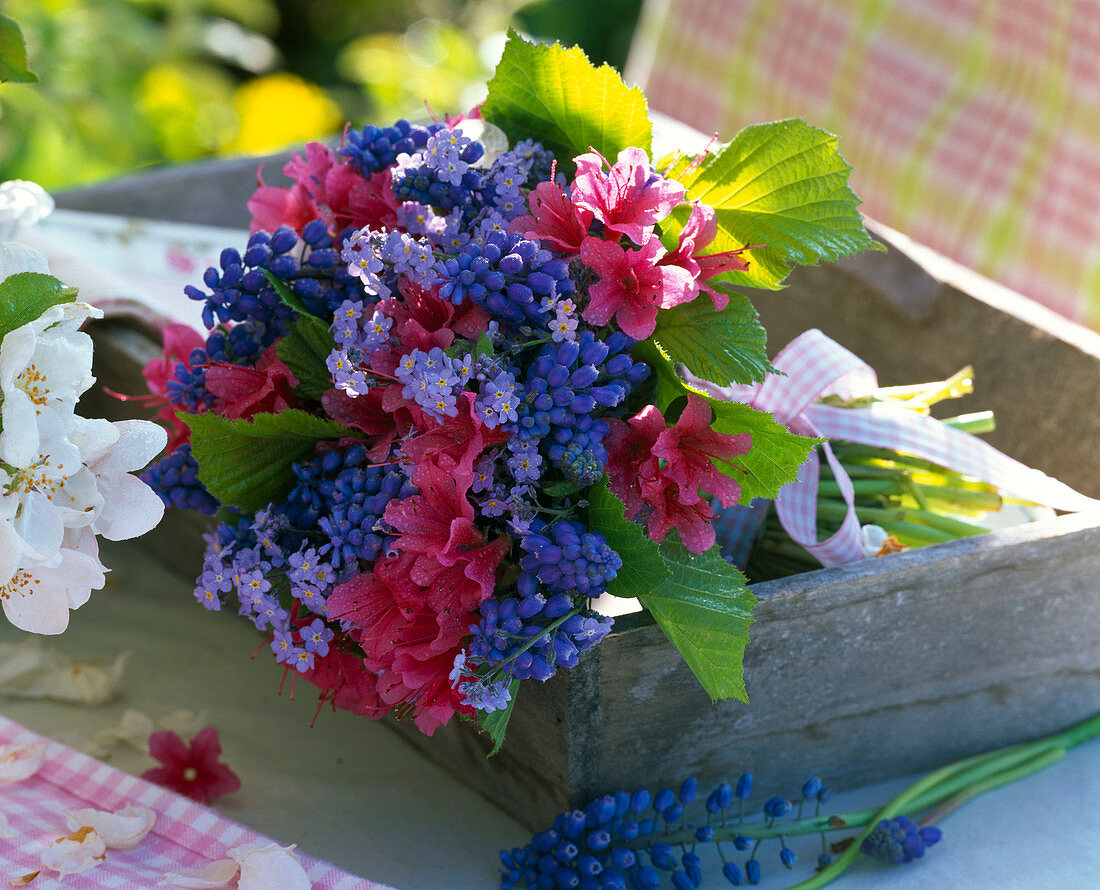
[
  {"x": 630, "y": 198},
  {"x": 690, "y": 448},
  {"x": 702, "y": 228},
  {"x": 658, "y": 472},
  {"x": 630, "y": 448},
  {"x": 554, "y": 218},
  {"x": 191, "y": 770},
  {"x": 632, "y": 285},
  {"x": 243, "y": 391},
  {"x": 693, "y": 521}
]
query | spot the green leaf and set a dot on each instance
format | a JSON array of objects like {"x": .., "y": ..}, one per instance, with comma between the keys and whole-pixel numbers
[
  {"x": 26, "y": 295},
  {"x": 705, "y": 611},
  {"x": 305, "y": 350},
  {"x": 776, "y": 452},
  {"x": 246, "y": 463},
  {"x": 496, "y": 722},
  {"x": 723, "y": 347},
  {"x": 782, "y": 185},
  {"x": 643, "y": 568},
  {"x": 13, "y": 53},
  {"x": 287, "y": 295},
  {"x": 559, "y": 488},
  {"x": 558, "y": 97}
]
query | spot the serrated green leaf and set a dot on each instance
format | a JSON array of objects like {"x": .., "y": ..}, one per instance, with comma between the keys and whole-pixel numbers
[
  {"x": 559, "y": 98},
  {"x": 776, "y": 452},
  {"x": 305, "y": 350},
  {"x": 782, "y": 185},
  {"x": 246, "y": 463},
  {"x": 495, "y": 723},
  {"x": 723, "y": 347},
  {"x": 26, "y": 295},
  {"x": 705, "y": 610},
  {"x": 643, "y": 568},
  {"x": 13, "y": 53}
]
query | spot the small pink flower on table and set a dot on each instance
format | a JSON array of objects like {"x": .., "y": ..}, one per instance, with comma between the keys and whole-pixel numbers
[{"x": 191, "y": 770}]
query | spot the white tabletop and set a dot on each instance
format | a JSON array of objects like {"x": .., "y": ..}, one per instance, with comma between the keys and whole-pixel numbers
[{"x": 351, "y": 791}]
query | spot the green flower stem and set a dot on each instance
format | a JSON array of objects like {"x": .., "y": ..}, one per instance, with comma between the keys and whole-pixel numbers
[
  {"x": 966, "y": 498},
  {"x": 978, "y": 422}
]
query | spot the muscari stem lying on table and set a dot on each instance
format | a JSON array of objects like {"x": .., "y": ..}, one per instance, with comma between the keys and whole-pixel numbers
[{"x": 939, "y": 793}]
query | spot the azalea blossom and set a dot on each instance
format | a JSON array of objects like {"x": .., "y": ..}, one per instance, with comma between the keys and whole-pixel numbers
[
  {"x": 629, "y": 199},
  {"x": 633, "y": 285},
  {"x": 191, "y": 770},
  {"x": 666, "y": 475},
  {"x": 554, "y": 218},
  {"x": 700, "y": 229}
]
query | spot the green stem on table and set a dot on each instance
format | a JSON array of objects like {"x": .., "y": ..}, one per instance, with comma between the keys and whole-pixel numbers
[{"x": 976, "y": 423}]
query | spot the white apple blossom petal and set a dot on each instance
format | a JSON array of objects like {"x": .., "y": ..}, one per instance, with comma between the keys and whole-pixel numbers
[
  {"x": 16, "y": 258},
  {"x": 22, "y": 204},
  {"x": 269, "y": 867},
  {"x": 131, "y": 508},
  {"x": 121, "y": 830},
  {"x": 33, "y": 671},
  {"x": 19, "y": 762},
  {"x": 38, "y": 597},
  {"x": 216, "y": 874},
  {"x": 79, "y": 852}
]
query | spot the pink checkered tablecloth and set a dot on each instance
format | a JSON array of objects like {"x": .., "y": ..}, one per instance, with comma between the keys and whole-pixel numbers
[
  {"x": 186, "y": 835},
  {"x": 971, "y": 125}
]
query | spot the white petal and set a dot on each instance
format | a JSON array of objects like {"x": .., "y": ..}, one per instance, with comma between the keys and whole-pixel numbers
[
  {"x": 22, "y": 204},
  {"x": 139, "y": 441},
  {"x": 16, "y": 258},
  {"x": 81, "y": 851},
  {"x": 269, "y": 867},
  {"x": 133, "y": 729},
  {"x": 121, "y": 830},
  {"x": 19, "y": 439},
  {"x": 131, "y": 508},
  {"x": 34, "y": 606},
  {"x": 216, "y": 874},
  {"x": 19, "y": 762}
]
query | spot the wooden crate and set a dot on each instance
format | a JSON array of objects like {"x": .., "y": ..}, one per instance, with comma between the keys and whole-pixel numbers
[{"x": 857, "y": 673}]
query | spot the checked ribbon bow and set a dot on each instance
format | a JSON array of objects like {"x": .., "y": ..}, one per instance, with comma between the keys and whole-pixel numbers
[{"x": 816, "y": 366}]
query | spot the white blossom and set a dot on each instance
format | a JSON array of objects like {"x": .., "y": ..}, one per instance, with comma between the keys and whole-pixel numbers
[{"x": 123, "y": 829}]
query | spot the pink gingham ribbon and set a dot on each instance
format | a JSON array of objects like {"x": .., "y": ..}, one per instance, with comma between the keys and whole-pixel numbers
[{"x": 816, "y": 366}]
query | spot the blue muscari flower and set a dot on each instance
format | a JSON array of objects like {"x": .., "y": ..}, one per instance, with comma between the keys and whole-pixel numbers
[
  {"x": 752, "y": 871},
  {"x": 744, "y": 786},
  {"x": 239, "y": 290},
  {"x": 372, "y": 149},
  {"x": 899, "y": 840},
  {"x": 787, "y": 857},
  {"x": 732, "y": 874},
  {"x": 811, "y": 787},
  {"x": 681, "y": 881},
  {"x": 175, "y": 479},
  {"x": 741, "y": 842},
  {"x": 775, "y": 807},
  {"x": 570, "y": 559}
]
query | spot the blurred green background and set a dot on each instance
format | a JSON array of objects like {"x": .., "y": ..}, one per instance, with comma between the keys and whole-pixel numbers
[{"x": 125, "y": 84}]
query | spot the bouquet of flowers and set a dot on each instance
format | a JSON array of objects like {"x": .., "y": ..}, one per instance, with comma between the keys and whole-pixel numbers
[
  {"x": 448, "y": 396},
  {"x": 64, "y": 479}
]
